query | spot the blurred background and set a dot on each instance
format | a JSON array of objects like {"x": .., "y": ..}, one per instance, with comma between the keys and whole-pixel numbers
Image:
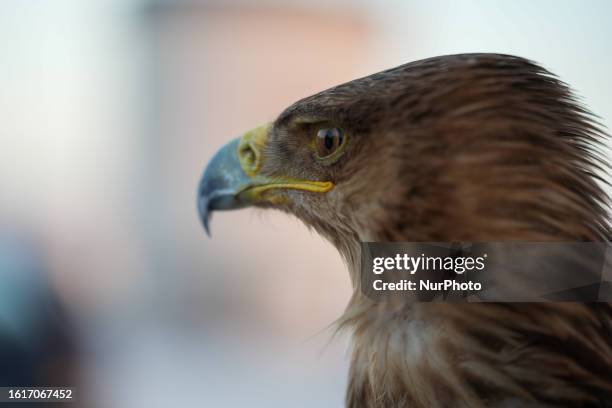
[{"x": 109, "y": 111}]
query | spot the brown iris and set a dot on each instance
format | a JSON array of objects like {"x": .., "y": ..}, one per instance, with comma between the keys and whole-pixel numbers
[{"x": 328, "y": 141}]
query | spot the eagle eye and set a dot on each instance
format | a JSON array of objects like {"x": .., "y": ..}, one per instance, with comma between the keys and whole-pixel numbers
[{"x": 329, "y": 142}]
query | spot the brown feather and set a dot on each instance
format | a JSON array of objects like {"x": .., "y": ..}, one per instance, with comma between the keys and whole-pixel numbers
[{"x": 475, "y": 147}]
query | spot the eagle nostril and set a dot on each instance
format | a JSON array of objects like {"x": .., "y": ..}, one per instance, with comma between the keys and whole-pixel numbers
[
  {"x": 247, "y": 154},
  {"x": 250, "y": 149},
  {"x": 249, "y": 157}
]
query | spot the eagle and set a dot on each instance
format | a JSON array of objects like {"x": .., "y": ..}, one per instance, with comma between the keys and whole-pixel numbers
[{"x": 469, "y": 147}]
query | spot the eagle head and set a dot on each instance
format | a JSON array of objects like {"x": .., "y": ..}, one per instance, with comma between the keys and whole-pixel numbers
[
  {"x": 474, "y": 147},
  {"x": 464, "y": 147}
]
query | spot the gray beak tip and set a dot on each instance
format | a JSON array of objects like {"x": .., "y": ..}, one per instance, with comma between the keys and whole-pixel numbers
[
  {"x": 204, "y": 214},
  {"x": 207, "y": 229}
]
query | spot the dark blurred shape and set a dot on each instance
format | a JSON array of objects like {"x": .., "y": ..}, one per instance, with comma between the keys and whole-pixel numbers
[{"x": 37, "y": 342}]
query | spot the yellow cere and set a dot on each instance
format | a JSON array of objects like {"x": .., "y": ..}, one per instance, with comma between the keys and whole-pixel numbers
[{"x": 250, "y": 148}]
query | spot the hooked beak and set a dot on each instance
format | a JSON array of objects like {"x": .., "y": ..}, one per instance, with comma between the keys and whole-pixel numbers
[{"x": 232, "y": 179}]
